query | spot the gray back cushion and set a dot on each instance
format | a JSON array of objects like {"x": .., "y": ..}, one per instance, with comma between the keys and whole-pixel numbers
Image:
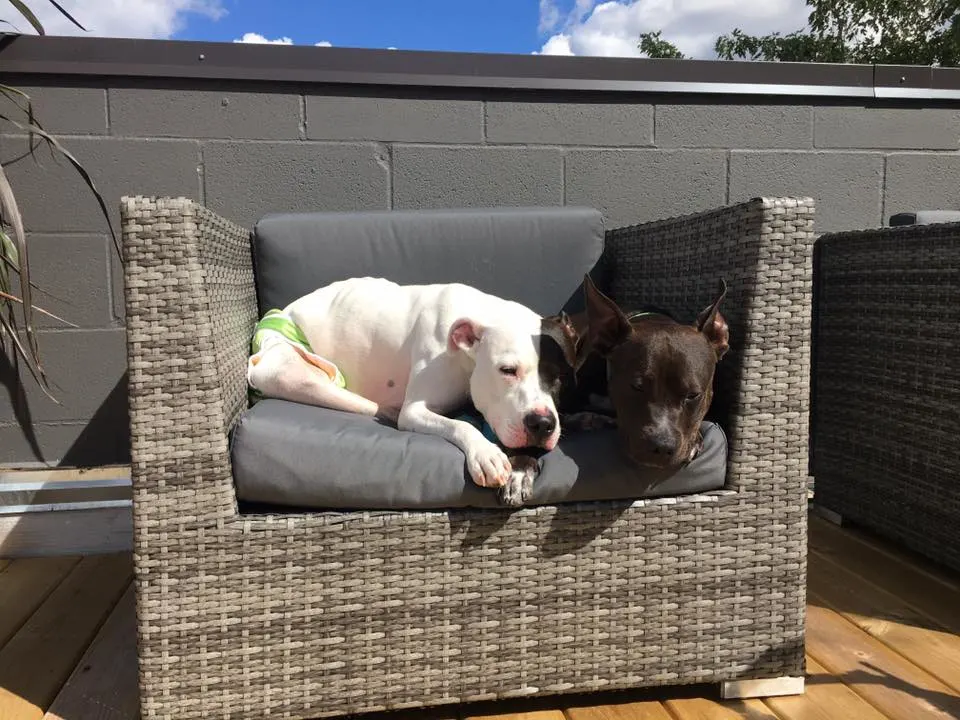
[{"x": 534, "y": 256}]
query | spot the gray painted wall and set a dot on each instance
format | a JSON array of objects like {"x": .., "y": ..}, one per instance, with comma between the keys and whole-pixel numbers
[{"x": 251, "y": 150}]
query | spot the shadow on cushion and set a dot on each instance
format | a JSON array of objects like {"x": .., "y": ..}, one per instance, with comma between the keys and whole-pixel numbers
[{"x": 300, "y": 456}]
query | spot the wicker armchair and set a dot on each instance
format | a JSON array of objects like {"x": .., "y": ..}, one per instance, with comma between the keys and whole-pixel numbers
[
  {"x": 887, "y": 384},
  {"x": 325, "y": 613}
]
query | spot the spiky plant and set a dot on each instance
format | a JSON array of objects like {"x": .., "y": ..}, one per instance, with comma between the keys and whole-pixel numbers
[{"x": 17, "y": 327}]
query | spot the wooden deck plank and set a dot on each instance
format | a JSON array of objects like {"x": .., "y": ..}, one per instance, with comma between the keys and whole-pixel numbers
[
  {"x": 895, "y": 550},
  {"x": 886, "y": 617},
  {"x": 825, "y": 697},
  {"x": 929, "y": 594},
  {"x": 104, "y": 684},
  {"x": 650, "y": 710},
  {"x": 104, "y": 472},
  {"x": 532, "y": 715},
  {"x": 706, "y": 709},
  {"x": 25, "y": 585},
  {"x": 39, "y": 658},
  {"x": 67, "y": 532},
  {"x": 885, "y": 679}
]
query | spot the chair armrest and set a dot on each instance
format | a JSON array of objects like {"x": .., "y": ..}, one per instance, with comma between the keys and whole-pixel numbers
[
  {"x": 191, "y": 308},
  {"x": 762, "y": 248},
  {"x": 886, "y": 374}
]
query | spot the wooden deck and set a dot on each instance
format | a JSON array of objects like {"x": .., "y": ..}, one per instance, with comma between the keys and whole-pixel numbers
[{"x": 883, "y": 641}]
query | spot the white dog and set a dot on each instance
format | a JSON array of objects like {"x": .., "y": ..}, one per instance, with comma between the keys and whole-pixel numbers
[{"x": 413, "y": 353}]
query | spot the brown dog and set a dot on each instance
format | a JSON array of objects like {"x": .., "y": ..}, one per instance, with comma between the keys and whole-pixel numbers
[{"x": 659, "y": 373}]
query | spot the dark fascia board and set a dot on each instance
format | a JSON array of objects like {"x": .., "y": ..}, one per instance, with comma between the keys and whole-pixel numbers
[
  {"x": 102, "y": 57},
  {"x": 895, "y": 81}
]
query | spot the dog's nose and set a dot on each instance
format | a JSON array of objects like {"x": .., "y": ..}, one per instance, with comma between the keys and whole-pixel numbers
[
  {"x": 663, "y": 444},
  {"x": 540, "y": 424}
]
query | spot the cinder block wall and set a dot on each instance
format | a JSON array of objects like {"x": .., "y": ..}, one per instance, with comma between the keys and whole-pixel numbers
[{"x": 248, "y": 150}]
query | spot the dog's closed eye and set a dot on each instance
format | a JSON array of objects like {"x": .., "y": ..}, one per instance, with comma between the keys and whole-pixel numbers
[
  {"x": 694, "y": 397},
  {"x": 510, "y": 370}
]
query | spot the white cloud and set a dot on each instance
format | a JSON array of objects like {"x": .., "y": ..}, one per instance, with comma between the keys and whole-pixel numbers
[
  {"x": 559, "y": 44},
  {"x": 613, "y": 28},
  {"x": 549, "y": 15},
  {"x": 119, "y": 18},
  {"x": 258, "y": 39}
]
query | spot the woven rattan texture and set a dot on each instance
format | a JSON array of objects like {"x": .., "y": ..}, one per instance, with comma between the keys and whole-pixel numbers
[
  {"x": 888, "y": 383},
  {"x": 322, "y": 614}
]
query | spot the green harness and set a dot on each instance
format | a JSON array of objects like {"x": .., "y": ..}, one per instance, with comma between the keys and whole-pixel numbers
[{"x": 277, "y": 321}]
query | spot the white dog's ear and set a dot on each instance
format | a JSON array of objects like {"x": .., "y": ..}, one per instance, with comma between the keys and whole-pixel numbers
[{"x": 464, "y": 335}]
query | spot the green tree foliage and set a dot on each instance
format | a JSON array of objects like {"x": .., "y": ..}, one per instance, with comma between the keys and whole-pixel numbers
[
  {"x": 654, "y": 46},
  {"x": 896, "y": 32}
]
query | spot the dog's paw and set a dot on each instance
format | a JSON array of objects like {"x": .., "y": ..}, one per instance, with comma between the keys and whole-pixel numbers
[
  {"x": 588, "y": 421},
  {"x": 519, "y": 488},
  {"x": 600, "y": 403},
  {"x": 488, "y": 465}
]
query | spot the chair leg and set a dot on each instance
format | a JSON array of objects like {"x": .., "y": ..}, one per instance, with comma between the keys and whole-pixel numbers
[
  {"x": 829, "y": 515},
  {"x": 765, "y": 687}
]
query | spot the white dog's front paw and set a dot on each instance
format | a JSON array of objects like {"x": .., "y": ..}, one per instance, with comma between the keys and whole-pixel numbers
[
  {"x": 488, "y": 465},
  {"x": 519, "y": 487}
]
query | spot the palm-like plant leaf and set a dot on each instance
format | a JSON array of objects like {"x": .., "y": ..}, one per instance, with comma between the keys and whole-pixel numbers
[
  {"x": 11, "y": 331},
  {"x": 11, "y": 214},
  {"x": 14, "y": 298},
  {"x": 8, "y": 251},
  {"x": 35, "y": 129},
  {"x": 13, "y": 246},
  {"x": 25, "y": 10},
  {"x": 67, "y": 15},
  {"x": 28, "y": 14}
]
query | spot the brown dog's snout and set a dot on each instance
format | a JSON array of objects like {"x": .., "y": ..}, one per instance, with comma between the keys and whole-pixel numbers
[{"x": 664, "y": 443}]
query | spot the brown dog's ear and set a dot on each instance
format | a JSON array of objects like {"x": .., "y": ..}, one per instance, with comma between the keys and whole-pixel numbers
[
  {"x": 712, "y": 324},
  {"x": 607, "y": 325},
  {"x": 561, "y": 330}
]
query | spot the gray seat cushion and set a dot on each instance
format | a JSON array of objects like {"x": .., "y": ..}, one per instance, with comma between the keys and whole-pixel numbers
[
  {"x": 534, "y": 256},
  {"x": 301, "y": 456}
]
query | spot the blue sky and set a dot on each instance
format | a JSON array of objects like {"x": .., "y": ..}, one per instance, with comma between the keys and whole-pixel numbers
[
  {"x": 487, "y": 26},
  {"x": 558, "y": 27}
]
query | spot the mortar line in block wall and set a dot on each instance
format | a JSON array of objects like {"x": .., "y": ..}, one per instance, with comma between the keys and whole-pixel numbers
[
  {"x": 106, "y": 110},
  {"x": 388, "y": 148},
  {"x": 302, "y": 120},
  {"x": 520, "y": 145},
  {"x": 625, "y": 148},
  {"x": 202, "y": 173},
  {"x": 727, "y": 159},
  {"x": 883, "y": 193},
  {"x": 563, "y": 177},
  {"x": 115, "y": 318},
  {"x": 76, "y": 331}
]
